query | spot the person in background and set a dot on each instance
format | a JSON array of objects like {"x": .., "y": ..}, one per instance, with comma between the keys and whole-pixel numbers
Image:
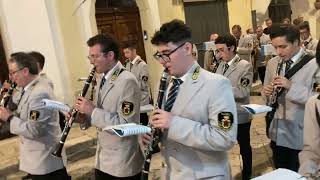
[
  {"x": 139, "y": 68},
  {"x": 307, "y": 41},
  {"x": 262, "y": 39},
  {"x": 244, "y": 43},
  {"x": 268, "y": 24},
  {"x": 210, "y": 60}
]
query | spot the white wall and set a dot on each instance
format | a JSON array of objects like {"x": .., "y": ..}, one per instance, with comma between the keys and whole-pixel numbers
[{"x": 26, "y": 26}]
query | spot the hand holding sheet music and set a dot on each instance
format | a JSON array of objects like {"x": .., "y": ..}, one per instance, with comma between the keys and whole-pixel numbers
[
  {"x": 256, "y": 108},
  {"x": 129, "y": 129}
]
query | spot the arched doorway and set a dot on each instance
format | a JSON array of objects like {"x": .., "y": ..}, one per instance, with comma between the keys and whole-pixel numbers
[{"x": 279, "y": 9}]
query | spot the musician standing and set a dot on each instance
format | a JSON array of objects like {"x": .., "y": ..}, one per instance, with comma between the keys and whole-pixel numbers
[
  {"x": 308, "y": 42},
  {"x": 244, "y": 43},
  {"x": 117, "y": 102},
  {"x": 37, "y": 127},
  {"x": 309, "y": 157},
  {"x": 286, "y": 129},
  {"x": 140, "y": 69},
  {"x": 240, "y": 73},
  {"x": 199, "y": 119},
  {"x": 262, "y": 39}
]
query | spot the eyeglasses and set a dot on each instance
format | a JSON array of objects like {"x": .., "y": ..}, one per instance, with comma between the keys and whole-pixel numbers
[
  {"x": 166, "y": 56},
  {"x": 14, "y": 72},
  {"x": 221, "y": 50},
  {"x": 94, "y": 56}
]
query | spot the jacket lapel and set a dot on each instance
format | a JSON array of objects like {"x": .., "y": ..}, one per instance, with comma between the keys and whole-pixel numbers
[
  {"x": 190, "y": 87},
  {"x": 108, "y": 85},
  {"x": 233, "y": 66}
]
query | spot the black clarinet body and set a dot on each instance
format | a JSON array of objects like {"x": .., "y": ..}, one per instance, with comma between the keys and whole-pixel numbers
[
  {"x": 8, "y": 94},
  {"x": 73, "y": 113},
  {"x": 156, "y": 133}
]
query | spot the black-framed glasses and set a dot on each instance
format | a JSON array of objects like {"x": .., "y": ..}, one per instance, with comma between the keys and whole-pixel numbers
[
  {"x": 166, "y": 56},
  {"x": 95, "y": 56},
  {"x": 14, "y": 72}
]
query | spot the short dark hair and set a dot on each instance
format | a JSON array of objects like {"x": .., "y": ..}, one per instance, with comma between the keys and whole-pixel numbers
[
  {"x": 175, "y": 31},
  {"x": 304, "y": 25},
  {"x": 25, "y": 60},
  {"x": 107, "y": 42},
  {"x": 290, "y": 32},
  {"x": 129, "y": 45},
  {"x": 238, "y": 27},
  {"x": 227, "y": 39},
  {"x": 39, "y": 57}
]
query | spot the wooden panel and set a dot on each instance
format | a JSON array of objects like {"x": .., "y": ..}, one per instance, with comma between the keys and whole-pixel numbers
[
  {"x": 3, "y": 63},
  {"x": 124, "y": 24},
  {"x": 279, "y": 9}
]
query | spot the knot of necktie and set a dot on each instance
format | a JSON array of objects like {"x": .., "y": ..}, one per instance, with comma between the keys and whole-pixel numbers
[
  {"x": 226, "y": 66},
  {"x": 173, "y": 93},
  {"x": 103, "y": 80}
]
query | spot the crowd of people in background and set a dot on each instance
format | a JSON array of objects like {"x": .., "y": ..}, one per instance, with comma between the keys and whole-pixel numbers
[{"x": 202, "y": 117}]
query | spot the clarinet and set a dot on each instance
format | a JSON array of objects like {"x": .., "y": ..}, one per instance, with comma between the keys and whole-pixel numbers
[
  {"x": 7, "y": 95},
  {"x": 272, "y": 99},
  {"x": 156, "y": 133},
  {"x": 58, "y": 150}
]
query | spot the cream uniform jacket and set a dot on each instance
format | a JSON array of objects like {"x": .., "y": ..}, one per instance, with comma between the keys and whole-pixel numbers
[
  {"x": 118, "y": 102},
  {"x": 286, "y": 128},
  {"x": 140, "y": 69},
  {"x": 245, "y": 47},
  {"x": 309, "y": 157},
  {"x": 38, "y": 129},
  {"x": 263, "y": 40},
  {"x": 310, "y": 45},
  {"x": 202, "y": 130},
  {"x": 240, "y": 74}
]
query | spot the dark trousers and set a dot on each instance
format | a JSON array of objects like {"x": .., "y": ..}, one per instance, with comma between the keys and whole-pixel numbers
[
  {"x": 261, "y": 72},
  {"x": 284, "y": 157},
  {"x": 243, "y": 138},
  {"x": 99, "y": 175},
  {"x": 144, "y": 119},
  {"x": 60, "y": 174}
]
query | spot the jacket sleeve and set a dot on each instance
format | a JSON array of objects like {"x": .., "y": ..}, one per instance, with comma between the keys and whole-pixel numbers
[
  {"x": 128, "y": 107},
  {"x": 209, "y": 137},
  {"x": 310, "y": 154},
  {"x": 242, "y": 90},
  {"x": 246, "y": 47},
  {"x": 38, "y": 118}
]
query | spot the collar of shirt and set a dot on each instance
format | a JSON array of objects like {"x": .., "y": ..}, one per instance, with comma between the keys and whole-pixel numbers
[
  {"x": 30, "y": 84},
  {"x": 190, "y": 71},
  {"x": 106, "y": 76},
  {"x": 232, "y": 60},
  {"x": 297, "y": 56},
  {"x": 307, "y": 40},
  {"x": 135, "y": 59}
]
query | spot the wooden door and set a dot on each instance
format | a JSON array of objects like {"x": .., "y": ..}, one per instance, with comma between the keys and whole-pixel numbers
[
  {"x": 124, "y": 24},
  {"x": 3, "y": 63},
  {"x": 279, "y": 9}
]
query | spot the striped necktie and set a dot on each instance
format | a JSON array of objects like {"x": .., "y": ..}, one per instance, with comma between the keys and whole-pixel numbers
[
  {"x": 288, "y": 65},
  {"x": 173, "y": 92},
  {"x": 226, "y": 66}
]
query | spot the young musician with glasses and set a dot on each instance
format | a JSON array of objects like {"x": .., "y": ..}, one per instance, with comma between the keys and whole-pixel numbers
[{"x": 198, "y": 118}]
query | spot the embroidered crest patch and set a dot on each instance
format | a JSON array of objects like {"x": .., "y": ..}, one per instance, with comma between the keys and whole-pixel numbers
[
  {"x": 127, "y": 108},
  {"x": 244, "y": 82},
  {"x": 34, "y": 115},
  {"x": 225, "y": 120}
]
